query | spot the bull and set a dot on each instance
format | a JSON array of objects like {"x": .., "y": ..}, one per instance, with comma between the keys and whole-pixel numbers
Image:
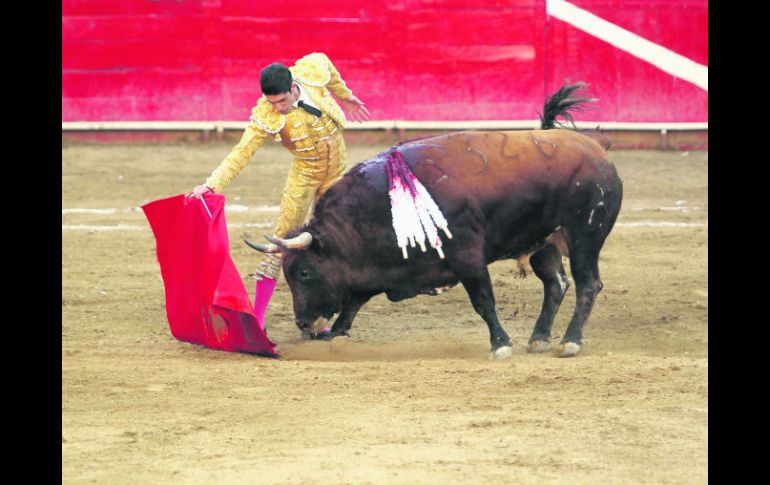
[{"x": 536, "y": 194}]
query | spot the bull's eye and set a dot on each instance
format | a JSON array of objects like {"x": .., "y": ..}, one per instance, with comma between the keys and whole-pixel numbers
[{"x": 304, "y": 274}]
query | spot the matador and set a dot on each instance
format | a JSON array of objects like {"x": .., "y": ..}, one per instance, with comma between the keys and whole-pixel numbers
[{"x": 296, "y": 109}]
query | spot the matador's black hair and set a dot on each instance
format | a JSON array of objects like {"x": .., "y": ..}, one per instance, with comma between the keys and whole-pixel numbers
[{"x": 275, "y": 79}]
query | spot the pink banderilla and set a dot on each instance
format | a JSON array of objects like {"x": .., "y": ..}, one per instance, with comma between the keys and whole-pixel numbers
[{"x": 415, "y": 214}]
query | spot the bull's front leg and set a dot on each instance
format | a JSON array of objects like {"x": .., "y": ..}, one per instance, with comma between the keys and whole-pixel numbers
[
  {"x": 465, "y": 257},
  {"x": 345, "y": 319},
  {"x": 479, "y": 289}
]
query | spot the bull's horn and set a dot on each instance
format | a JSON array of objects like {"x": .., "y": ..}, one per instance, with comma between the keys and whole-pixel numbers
[
  {"x": 298, "y": 242},
  {"x": 265, "y": 248}
]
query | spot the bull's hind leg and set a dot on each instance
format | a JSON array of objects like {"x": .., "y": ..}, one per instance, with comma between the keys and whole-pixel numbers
[
  {"x": 585, "y": 235},
  {"x": 584, "y": 263},
  {"x": 546, "y": 263}
]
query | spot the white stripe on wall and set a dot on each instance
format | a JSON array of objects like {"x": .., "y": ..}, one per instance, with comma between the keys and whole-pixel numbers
[{"x": 660, "y": 57}]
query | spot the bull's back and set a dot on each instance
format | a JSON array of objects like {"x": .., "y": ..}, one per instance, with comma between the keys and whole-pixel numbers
[
  {"x": 491, "y": 166},
  {"x": 511, "y": 187},
  {"x": 514, "y": 187}
]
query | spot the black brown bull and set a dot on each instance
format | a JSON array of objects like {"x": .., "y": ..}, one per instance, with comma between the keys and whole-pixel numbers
[{"x": 510, "y": 194}]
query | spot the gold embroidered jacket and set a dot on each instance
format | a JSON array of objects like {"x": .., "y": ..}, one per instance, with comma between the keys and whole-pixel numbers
[{"x": 298, "y": 130}]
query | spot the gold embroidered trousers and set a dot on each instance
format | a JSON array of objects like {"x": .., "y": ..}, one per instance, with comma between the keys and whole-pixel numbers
[{"x": 308, "y": 180}]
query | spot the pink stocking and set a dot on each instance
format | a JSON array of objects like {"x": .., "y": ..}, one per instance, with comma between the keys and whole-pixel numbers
[{"x": 262, "y": 295}]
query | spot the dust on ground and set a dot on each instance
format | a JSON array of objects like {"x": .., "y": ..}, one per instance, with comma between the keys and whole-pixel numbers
[{"x": 412, "y": 396}]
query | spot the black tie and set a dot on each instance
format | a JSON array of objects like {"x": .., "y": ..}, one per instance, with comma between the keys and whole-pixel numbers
[{"x": 310, "y": 109}]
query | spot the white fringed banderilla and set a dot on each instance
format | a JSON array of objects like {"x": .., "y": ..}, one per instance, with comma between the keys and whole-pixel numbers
[{"x": 415, "y": 214}]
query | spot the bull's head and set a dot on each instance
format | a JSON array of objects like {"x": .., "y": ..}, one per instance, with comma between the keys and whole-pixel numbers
[{"x": 312, "y": 275}]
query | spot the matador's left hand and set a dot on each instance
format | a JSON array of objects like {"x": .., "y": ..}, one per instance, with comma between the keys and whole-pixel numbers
[{"x": 355, "y": 108}]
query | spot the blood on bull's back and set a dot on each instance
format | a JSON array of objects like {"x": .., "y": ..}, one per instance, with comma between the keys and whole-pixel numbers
[{"x": 518, "y": 184}]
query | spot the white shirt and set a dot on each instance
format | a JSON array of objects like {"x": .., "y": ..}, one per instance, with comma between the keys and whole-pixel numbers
[{"x": 303, "y": 96}]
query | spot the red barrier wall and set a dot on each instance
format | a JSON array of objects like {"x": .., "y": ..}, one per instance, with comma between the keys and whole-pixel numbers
[{"x": 431, "y": 60}]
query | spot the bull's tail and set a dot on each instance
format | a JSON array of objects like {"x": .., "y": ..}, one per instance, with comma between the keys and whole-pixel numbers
[{"x": 561, "y": 103}]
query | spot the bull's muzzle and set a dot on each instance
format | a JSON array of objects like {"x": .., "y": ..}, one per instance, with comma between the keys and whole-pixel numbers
[
  {"x": 312, "y": 329},
  {"x": 303, "y": 325},
  {"x": 306, "y": 327}
]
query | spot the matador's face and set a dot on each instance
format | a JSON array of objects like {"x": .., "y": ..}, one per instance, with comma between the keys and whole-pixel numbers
[{"x": 282, "y": 102}]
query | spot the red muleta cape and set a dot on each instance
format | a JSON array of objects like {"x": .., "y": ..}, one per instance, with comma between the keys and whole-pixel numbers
[{"x": 206, "y": 300}]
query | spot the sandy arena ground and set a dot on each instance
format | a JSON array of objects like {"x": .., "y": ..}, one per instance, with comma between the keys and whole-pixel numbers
[{"x": 412, "y": 397}]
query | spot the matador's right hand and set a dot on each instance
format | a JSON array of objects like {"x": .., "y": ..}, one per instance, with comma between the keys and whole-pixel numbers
[{"x": 199, "y": 191}]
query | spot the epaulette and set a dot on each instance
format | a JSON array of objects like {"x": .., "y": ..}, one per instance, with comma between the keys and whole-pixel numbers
[
  {"x": 312, "y": 70},
  {"x": 266, "y": 117}
]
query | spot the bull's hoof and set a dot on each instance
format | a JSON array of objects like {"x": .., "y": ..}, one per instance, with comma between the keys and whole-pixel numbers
[
  {"x": 569, "y": 349},
  {"x": 502, "y": 353},
  {"x": 329, "y": 334},
  {"x": 538, "y": 346}
]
